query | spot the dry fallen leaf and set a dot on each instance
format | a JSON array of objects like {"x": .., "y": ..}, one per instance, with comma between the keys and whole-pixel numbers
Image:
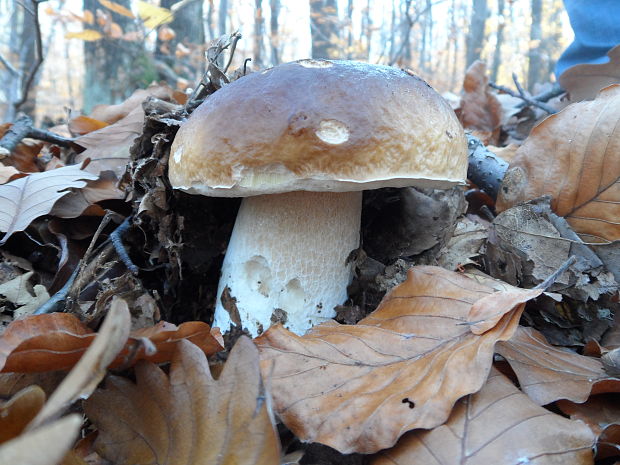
[
  {"x": 19, "y": 410},
  {"x": 573, "y": 156},
  {"x": 56, "y": 341},
  {"x": 27, "y": 198},
  {"x": 602, "y": 415},
  {"x": 81, "y": 125},
  {"x": 548, "y": 373},
  {"x": 81, "y": 202},
  {"x": 358, "y": 388},
  {"x": 92, "y": 366},
  {"x": 480, "y": 108},
  {"x": 44, "y": 446},
  {"x": 6, "y": 173},
  {"x": 108, "y": 148},
  {"x": 584, "y": 81},
  {"x": 188, "y": 417},
  {"x": 499, "y": 426}
]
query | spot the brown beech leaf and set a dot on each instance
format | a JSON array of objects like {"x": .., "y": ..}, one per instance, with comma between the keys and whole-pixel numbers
[
  {"x": 76, "y": 203},
  {"x": 56, "y": 341},
  {"x": 548, "y": 373},
  {"x": 573, "y": 157},
  {"x": 499, "y": 426},
  {"x": 188, "y": 417},
  {"x": 358, "y": 388},
  {"x": 44, "y": 446},
  {"x": 7, "y": 173},
  {"x": 27, "y": 198},
  {"x": 81, "y": 125},
  {"x": 24, "y": 156},
  {"x": 108, "y": 148},
  {"x": 584, "y": 81},
  {"x": 602, "y": 414},
  {"x": 18, "y": 411},
  {"x": 480, "y": 108},
  {"x": 92, "y": 366}
]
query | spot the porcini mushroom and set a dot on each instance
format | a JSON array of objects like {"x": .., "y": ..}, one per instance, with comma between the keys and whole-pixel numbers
[{"x": 300, "y": 142}]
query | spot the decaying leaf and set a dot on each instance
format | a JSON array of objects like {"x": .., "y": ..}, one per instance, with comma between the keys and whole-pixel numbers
[
  {"x": 44, "y": 446},
  {"x": 56, "y": 341},
  {"x": 573, "y": 156},
  {"x": 548, "y": 373},
  {"x": 17, "y": 291},
  {"x": 83, "y": 200},
  {"x": 584, "y": 81},
  {"x": 499, "y": 425},
  {"x": 602, "y": 415},
  {"x": 187, "y": 417},
  {"x": 358, "y": 388},
  {"x": 27, "y": 198},
  {"x": 17, "y": 412}
]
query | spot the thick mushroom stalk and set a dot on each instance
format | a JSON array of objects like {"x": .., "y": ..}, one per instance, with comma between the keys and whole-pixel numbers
[{"x": 287, "y": 260}]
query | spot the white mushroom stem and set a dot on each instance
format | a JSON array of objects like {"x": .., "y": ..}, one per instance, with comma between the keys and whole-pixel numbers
[{"x": 287, "y": 260}]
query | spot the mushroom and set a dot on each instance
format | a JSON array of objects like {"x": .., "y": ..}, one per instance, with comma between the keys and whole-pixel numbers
[{"x": 300, "y": 142}]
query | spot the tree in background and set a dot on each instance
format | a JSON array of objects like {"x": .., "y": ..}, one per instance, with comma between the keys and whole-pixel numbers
[
  {"x": 273, "y": 29},
  {"x": 114, "y": 67},
  {"x": 324, "y": 28},
  {"x": 499, "y": 41},
  {"x": 476, "y": 35},
  {"x": 534, "y": 55}
]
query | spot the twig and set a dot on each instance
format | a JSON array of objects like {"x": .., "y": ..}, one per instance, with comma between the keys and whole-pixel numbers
[
  {"x": 551, "y": 279},
  {"x": 117, "y": 240},
  {"x": 23, "y": 128},
  {"x": 245, "y": 65},
  {"x": 52, "y": 305},
  {"x": 523, "y": 96},
  {"x": 233, "y": 46},
  {"x": 39, "y": 58}
]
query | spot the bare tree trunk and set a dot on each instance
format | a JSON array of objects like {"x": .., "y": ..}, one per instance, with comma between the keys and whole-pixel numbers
[
  {"x": 455, "y": 41},
  {"x": 274, "y": 39},
  {"x": 189, "y": 31},
  {"x": 367, "y": 29},
  {"x": 535, "y": 61},
  {"x": 259, "y": 30},
  {"x": 210, "y": 28},
  {"x": 349, "y": 29},
  {"x": 405, "y": 53},
  {"x": 324, "y": 28},
  {"x": 475, "y": 39},
  {"x": 114, "y": 68},
  {"x": 223, "y": 13},
  {"x": 497, "y": 56}
]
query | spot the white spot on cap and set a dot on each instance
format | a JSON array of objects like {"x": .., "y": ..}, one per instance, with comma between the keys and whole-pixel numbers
[
  {"x": 332, "y": 131},
  {"x": 315, "y": 63},
  {"x": 178, "y": 153}
]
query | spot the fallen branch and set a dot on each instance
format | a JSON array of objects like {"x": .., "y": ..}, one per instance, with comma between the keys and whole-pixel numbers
[
  {"x": 485, "y": 169},
  {"x": 23, "y": 128},
  {"x": 533, "y": 101}
]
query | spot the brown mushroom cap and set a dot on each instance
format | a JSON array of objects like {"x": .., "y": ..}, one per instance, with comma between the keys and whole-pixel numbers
[{"x": 319, "y": 125}]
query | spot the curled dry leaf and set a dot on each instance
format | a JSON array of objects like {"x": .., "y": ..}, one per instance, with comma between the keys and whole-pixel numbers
[
  {"x": 82, "y": 201},
  {"x": 573, "y": 156},
  {"x": 358, "y": 388},
  {"x": 7, "y": 173},
  {"x": 584, "y": 81},
  {"x": 44, "y": 446},
  {"x": 548, "y": 373},
  {"x": 187, "y": 417},
  {"x": 500, "y": 426},
  {"x": 92, "y": 366},
  {"x": 108, "y": 148},
  {"x": 480, "y": 108},
  {"x": 56, "y": 341},
  {"x": 19, "y": 410},
  {"x": 602, "y": 415},
  {"x": 27, "y": 198}
]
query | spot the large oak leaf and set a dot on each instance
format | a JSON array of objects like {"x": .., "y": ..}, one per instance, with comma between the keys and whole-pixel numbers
[
  {"x": 499, "y": 426},
  {"x": 188, "y": 417},
  {"x": 547, "y": 373},
  {"x": 573, "y": 157},
  {"x": 358, "y": 388}
]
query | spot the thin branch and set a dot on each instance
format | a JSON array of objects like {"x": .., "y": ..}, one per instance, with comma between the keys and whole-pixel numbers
[
  {"x": 26, "y": 85},
  {"x": 23, "y": 128},
  {"x": 523, "y": 96},
  {"x": 551, "y": 279},
  {"x": 9, "y": 66}
]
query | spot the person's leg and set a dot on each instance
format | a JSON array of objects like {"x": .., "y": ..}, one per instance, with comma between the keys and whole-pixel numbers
[{"x": 596, "y": 24}]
